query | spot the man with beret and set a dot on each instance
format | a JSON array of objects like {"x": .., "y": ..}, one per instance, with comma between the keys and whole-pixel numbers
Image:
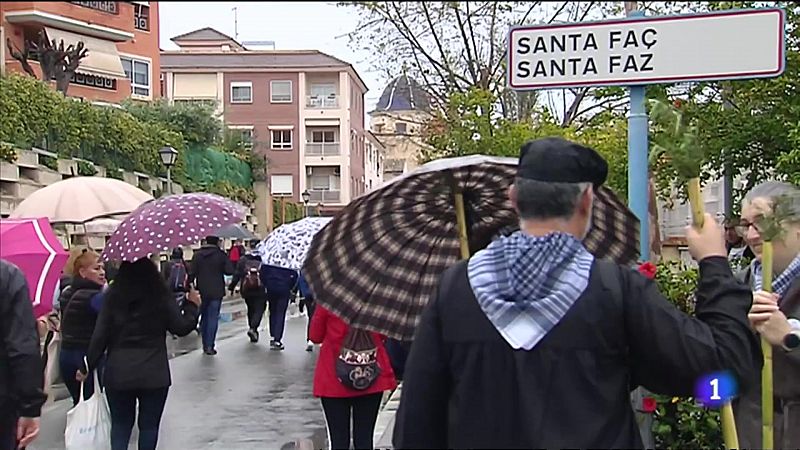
[{"x": 533, "y": 343}]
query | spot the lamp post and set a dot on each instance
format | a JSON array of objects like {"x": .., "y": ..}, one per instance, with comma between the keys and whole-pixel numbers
[
  {"x": 306, "y": 198},
  {"x": 168, "y": 157}
]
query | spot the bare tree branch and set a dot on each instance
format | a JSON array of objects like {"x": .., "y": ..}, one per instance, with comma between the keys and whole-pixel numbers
[{"x": 22, "y": 56}]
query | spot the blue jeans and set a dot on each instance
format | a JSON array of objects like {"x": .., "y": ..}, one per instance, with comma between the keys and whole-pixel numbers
[
  {"x": 69, "y": 361},
  {"x": 209, "y": 321},
  {"x": 123, "y": 414},
  {"x": 278, "y": 304}
]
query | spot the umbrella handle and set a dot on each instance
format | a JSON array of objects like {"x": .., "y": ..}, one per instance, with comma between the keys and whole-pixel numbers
[{"x": 461, "y": 221}]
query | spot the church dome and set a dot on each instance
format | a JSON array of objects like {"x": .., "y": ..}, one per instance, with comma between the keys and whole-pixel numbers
[{"x": 403, "y": 94}]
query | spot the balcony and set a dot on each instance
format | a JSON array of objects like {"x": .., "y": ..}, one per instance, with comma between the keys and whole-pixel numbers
[
  {"x": 320, "y": 102},
  {"x": 110, "y": 21},
  {"x": 323, "y": 149},
  {"x": 323, "y": 196}
]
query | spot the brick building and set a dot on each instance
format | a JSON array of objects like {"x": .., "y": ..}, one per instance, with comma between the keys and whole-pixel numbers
[
  {"x": 303, "y": 109},
  {"x": 121, "y": 38}
]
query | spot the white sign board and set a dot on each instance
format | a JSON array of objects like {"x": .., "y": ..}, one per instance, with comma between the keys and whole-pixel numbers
[{"x": 666, "y": 49}]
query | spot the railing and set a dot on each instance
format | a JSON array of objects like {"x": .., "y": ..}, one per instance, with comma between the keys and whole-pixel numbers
[
  {"x": 318, "y": 101},
  {"x": 106, "y": 7},
  {"x": 322, "y": 148},
  {"x": 323, "y": 196}
]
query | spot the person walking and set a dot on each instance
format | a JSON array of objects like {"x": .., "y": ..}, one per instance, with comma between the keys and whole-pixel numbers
[
  {"x": 139, "y": 310},
  {"x": 21, "y": 372},
  {"x": 310, "y": 304},
  {"x": 252, "y": 289},
  {"x": 176, "y": 274},
  {"x": 279, "y": 282},
  {"x": 776, "y": 317},
  {"x": 534, "y": 343},
  {"x": 342, "y": 404},
  {"x": 80, "y": 305},
  {"x": 209, "y": 267}
]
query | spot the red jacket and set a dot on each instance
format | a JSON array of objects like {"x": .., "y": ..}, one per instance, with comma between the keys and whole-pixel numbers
[{"x": 330, "y": 331}]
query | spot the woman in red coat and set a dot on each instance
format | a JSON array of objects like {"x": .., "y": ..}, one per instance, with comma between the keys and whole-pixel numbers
[{"x": 339, "y": 402}]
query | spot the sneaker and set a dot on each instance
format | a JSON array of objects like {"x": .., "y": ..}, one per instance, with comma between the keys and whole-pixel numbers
[
  {"x": 210, "y": 352},
  {"x": 277, "y": 345},
  {"x": 309, "y": 346},
  {"x": 253, "y": 335}
]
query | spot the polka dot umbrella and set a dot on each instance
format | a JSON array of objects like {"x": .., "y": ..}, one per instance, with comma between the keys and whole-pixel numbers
[{"x": 170, "y": 221}]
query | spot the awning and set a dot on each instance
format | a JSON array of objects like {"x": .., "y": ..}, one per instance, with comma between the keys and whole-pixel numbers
[{"x": 101, "y": 59}]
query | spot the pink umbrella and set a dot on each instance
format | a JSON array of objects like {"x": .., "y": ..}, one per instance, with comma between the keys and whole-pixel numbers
[{"x": 32, "y": 245}]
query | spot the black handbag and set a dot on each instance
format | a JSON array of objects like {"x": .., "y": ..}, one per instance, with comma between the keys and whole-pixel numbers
[{"x": 357, "y": 364}]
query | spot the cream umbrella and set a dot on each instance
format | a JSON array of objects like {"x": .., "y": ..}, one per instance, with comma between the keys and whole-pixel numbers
[{"x": 81, "y": 199}]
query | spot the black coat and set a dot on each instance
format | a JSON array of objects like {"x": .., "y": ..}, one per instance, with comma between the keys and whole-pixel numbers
[
  {"x": 239, "y": 275},
  {"x": 21, "y": 372},
  {"x": 209, "y": 267},
  {"x": 465, "y": 387},
  {"x": 134, "y": 336}
]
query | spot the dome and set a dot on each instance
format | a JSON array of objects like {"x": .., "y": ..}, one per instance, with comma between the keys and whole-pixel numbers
[{"x": 403, "y": 94}]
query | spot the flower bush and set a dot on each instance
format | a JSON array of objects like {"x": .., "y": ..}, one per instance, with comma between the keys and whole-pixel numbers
[{"x": 680, "y": 422}]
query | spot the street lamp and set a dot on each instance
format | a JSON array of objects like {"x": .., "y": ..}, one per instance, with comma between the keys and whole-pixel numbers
[
  {"x": 306, "y": 198},
  {"x": 168, "y": 157}
]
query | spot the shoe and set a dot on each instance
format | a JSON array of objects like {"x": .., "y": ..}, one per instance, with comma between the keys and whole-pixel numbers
[
  {"x": 210, "y": 351},
  {"x": 253, "y": 335},
  {"x": 276, "y": 345},
  {"x": 309, "y": 346}
]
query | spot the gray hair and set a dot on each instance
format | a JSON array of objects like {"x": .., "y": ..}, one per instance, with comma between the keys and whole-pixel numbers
[
  {"x": 772, "y": 190},
  {"x": 539, "y": 200}
]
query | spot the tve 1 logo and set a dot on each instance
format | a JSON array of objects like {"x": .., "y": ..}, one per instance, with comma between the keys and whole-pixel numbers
[{"x": 715, "y": 389}]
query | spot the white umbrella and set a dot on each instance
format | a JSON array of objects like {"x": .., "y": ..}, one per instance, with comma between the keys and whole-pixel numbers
[
  {"x": 288, "y": 244},
  {"x": 81, "y": 199},
  {"x": 104, "y": 226}
]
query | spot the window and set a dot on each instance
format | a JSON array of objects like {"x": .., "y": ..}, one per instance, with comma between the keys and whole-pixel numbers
[
  {"x": 323, "y": 90},
  {"x": 280, "y": 91},
  {"x": 281, "y": 185},
  {"x": 243, "y": 132},
  {"x": 138, "y": 71},
  {"x": 247, "y": 136},
  {"x": 323, "y": 136},
  {"x": 379, "y": 128},
  {"x": 400, "y": 128},
  {"x": 241, "y": 92},
  {"x": 281, "y": 139},
  {"x": 141, "y": 17}
]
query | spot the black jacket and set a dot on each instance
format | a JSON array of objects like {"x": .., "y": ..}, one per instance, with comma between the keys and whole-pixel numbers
[
  {"x": 209, "y": 267},
  {"x": 238, "y": 277},
  {"x": 21, "y": 371},
  {"x": 77, "y": 316},
  {"x": 465, "y": 387},
  {"x": 135, "y": 341}
]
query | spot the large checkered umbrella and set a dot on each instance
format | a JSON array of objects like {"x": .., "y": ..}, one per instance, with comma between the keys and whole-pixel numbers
[{"x": 378, "y": 261}]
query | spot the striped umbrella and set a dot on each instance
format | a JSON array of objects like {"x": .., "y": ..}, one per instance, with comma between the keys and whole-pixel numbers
[{"x": 378, "y": 261}]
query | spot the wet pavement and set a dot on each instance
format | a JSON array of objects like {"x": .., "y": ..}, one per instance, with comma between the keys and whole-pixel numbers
[{"x": 246, "y": 397}]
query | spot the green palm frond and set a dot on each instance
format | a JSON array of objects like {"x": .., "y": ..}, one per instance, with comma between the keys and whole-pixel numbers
[{"x": 785, "y": 210}]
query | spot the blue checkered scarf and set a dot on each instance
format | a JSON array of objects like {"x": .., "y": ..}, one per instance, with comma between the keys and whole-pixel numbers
[
  {"x": 525, "y": 285},
  {"x": 781, "y": 283}
]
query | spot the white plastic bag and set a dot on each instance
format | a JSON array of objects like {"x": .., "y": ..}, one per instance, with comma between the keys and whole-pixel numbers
[{"x": 89, "y": 422}]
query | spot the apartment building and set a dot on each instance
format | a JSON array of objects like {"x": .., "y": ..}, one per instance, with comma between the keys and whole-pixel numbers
[
  {"x": 302, "y": 109},
  {"x": 123, "y": 57}
]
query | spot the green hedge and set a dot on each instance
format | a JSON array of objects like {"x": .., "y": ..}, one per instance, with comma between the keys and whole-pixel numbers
[{"x": 126, "y": 137}]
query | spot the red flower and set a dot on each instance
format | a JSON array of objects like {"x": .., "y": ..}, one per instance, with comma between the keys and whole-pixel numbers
[
  {"x": 648, "y": 269},
  {"x": 648, "y": 404},
  {"x": 677, "y": 103}
]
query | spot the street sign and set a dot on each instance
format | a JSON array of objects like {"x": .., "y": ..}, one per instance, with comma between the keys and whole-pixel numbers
[{"x": 645, "y": 50}]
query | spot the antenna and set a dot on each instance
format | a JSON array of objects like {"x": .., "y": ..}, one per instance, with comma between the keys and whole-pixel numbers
[{"x": 235, "y": 10}]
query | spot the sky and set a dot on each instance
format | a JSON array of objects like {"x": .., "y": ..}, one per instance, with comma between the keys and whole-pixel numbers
[{"x": 292, "y": 25}]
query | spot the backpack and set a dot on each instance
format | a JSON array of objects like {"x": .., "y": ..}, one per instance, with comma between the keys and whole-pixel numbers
[
  {"x": 178, "y": 277},
  {"x": 252, "y": 277},
  {"x": 357, "y": 364}
]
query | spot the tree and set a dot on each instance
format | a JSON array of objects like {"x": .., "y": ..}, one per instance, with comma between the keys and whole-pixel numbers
[
  {"x": 57, "y": 62},
  {"x": 452, "y": 47}
]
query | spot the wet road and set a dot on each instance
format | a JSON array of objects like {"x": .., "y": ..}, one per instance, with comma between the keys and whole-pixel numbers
[{"x": 246, "y": 397}]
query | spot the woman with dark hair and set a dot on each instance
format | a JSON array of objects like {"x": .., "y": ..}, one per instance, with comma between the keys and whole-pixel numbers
[{"x": 139, "y": 309}]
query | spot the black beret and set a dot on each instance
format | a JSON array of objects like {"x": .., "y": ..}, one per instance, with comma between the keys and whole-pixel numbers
[{"x": 557, "y": 160}]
